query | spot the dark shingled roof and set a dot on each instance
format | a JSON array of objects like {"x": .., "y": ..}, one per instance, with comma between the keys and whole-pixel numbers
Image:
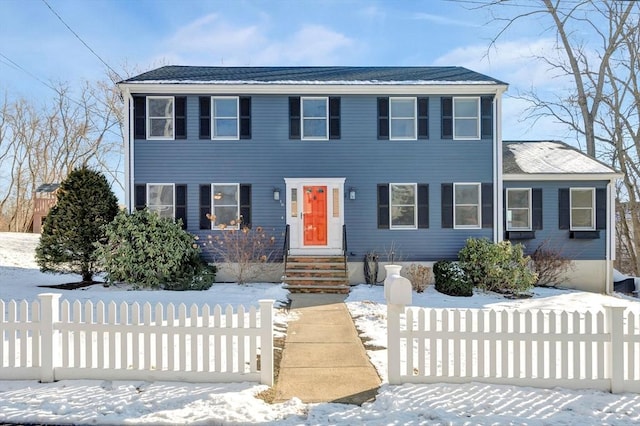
[
  {"x": 194, "y": 74},
  {"x": 48, "y": 187},
  {"x": 548, "y": 157}
]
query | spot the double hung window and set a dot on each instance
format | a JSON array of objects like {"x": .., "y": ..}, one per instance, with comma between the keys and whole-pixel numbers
[
  {"x": 160, "y": 117},
  {"x": 402, "y": 118},
  {"x": 224, "y": 117},
  {"x": 518, "y": 209},
  {"x": 582, "y": 209},
  {"x": 467, "y": 207},
  {"x": 403, "y": 198},
  {"x": 315, "y": 123},
  {"x": 466, "y": 118},
  {"x": 161, "y": 199},
  {"x": 225, "y": 205}
]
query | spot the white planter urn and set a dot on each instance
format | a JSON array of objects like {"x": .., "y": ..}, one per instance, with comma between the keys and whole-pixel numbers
[{"x": 391, "y": 270}]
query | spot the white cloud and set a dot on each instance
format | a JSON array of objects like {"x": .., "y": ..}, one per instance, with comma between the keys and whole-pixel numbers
[
  {"x": 212, "y": 40},
  {"x": 438, "y": 19}
]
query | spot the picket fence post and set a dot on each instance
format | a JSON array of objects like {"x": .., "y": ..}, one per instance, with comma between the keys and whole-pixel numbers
[
  {"x": 266, "y": 341},
  {"x": 393, "y": 342},
  {"x": 49, "y": 336},
  {"x": 616, "y": 348}
]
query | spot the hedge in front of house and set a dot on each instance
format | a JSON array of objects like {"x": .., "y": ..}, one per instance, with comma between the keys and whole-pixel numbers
[{"x": 450, "y": 279}]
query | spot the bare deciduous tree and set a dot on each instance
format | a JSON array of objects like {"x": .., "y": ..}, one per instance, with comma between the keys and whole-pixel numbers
[
  {"x": 43, "y": 144},
  {"x": 598, "y": 42}
]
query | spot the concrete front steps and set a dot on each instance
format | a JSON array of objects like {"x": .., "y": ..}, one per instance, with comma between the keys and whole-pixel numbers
[{"x": 316, "y": 274}]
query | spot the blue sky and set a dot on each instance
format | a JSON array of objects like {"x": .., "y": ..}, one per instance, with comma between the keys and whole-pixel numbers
[{"x": 137, "y": 35}]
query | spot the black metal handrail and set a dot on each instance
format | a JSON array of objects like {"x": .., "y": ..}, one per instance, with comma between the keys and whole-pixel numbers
[
  {"x": 344, "y": 245},
  {"x": 286, "y": 247}
]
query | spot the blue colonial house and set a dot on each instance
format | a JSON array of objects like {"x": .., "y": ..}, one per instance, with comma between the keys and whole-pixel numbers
[{"x": 402, "y": 159}]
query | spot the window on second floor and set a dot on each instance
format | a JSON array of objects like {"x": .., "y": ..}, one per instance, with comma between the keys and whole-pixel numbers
[
  {"x": 160, "y": 117},
  {"x": 402, "y": 118},
  {"x": 518, "y": 209},
  {"x": 315, "y": 118},
  {"x": 467, "y": 117},
  {"x": 225, "y": 123}
]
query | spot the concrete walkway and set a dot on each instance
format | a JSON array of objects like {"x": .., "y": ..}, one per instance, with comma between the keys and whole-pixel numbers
[{"x": 323, "y": 358}]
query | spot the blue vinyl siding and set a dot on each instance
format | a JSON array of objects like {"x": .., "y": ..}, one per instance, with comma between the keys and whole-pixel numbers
[
  {"x": 269, "y": 156},
  {"x": 591, "y": 249}
]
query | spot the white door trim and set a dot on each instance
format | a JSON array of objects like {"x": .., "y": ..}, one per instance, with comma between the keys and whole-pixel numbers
[{"x": 335, "y": 215}]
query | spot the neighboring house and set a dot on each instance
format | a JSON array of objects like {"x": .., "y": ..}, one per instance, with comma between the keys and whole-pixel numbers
[
  {"x": 45, "y": 198},
  {"x": 402, "y": 158}
]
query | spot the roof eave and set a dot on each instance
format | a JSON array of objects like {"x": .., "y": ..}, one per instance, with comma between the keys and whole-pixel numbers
[
  {"x": 561, "y": 176},
  {"x": 453, "y": 88}
]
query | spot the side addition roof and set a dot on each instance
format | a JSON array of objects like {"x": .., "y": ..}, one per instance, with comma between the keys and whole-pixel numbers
[{"x": 529, "y": 160}]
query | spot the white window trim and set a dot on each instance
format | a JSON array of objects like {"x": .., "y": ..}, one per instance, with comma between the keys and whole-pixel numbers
[
  {"x": 415, "y": 119},
  {"x": 214, "y": 117},
  {"x": 415, "y": 206},
  {"x": 214, "y": 226},
  {"x": 478, "y": 119},
  {"x": 326, "y": 118},
  {"x": 529, "y": 208},
  {"x": 173, "y": 118},
  {"x": 593, "y": 210},
  {"x": 479, "y": 205},
  {"x": 173, "y": 200}
]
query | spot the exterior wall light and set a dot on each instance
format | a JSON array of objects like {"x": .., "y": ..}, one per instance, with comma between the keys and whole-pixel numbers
[
  {"x": 352, "y": 193},
  {"x": 276, "y": 194}
]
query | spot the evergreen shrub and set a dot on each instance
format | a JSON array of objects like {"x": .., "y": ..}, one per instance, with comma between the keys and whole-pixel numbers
[
  {"x": 500, "y": 267},
  {"x": 148, "y": 251},
  {"x": 450, "y": 279}
]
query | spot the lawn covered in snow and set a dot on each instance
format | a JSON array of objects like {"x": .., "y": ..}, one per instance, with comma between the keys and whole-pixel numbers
[{"x": 135, "y": 402}]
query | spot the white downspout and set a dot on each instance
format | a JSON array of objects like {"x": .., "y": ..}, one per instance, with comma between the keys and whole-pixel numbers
[
  {"x": 128, "y": 151},
  {"x": 497, "y": 169},
  {"x": 610, "y": 250}
]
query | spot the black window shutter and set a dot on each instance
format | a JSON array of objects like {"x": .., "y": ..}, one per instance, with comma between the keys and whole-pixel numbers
[
  {"x": 536, "y": 208},
  {"x": 447, "y": 118},
  {"x": 140, "y": 117},
  {"x": 334, "y": 118},
  {"x": 141, "y": 197},
  {"x": 601, "y": 208},
  {"x": 486, "y": 116},
  {"x": 423, "y": 118},
  {"x": 423, "y": 205},
  {"x": 383, "y": 118},
  {"x": 181, "y": 117},
  {"x": 487, "y": 205},
  {"x": 447, "y": 205},
  {"x": 245, "y": 204},
  {"x": 245, "y": 117},
  {"x": 294, "y": 117},
  {"x": 383, "y": 206},
  {"x": 564, "y": 209},
  {"x": 205, "y": 207},
  {"x": 181, "y": 204},
  {"x": 205, "y": 117}
]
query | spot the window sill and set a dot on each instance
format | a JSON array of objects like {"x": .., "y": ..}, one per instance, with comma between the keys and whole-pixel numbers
[
  {"x": 584, "y": 235},
  {"x": 520, "y": 235}
]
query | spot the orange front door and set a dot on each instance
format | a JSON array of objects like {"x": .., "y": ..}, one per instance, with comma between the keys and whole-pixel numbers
[{"x": 315, "y": 215}]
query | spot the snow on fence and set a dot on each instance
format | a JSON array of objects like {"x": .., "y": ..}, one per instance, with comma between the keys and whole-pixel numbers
[
  {"x": 539, "y": 348},
  {"x": 52, "y": 340}
]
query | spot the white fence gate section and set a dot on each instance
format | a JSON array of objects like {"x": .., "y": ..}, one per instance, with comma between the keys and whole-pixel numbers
[
  {"x": 52, "y": 340},
  {"x": 539, "y": 348}
]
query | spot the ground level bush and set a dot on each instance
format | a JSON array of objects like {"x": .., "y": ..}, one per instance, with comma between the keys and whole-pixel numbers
[
  {"x": 152, "y": 252},
  {"x": 500, "y": 267},
  {"x": 451, "y": 280}
]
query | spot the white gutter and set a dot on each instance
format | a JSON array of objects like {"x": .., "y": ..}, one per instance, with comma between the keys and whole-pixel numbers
[
  {"x": 439, "y": 88},
  {"x": 561, "y": 176}
]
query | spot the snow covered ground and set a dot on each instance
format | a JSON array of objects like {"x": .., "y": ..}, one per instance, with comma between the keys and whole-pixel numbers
[{"x": 136, "y": 402}]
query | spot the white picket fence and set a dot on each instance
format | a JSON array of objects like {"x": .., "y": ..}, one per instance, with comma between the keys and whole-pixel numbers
[
  {"x": 538, "y": 348},
  {"x": 51, "y": 340}
]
